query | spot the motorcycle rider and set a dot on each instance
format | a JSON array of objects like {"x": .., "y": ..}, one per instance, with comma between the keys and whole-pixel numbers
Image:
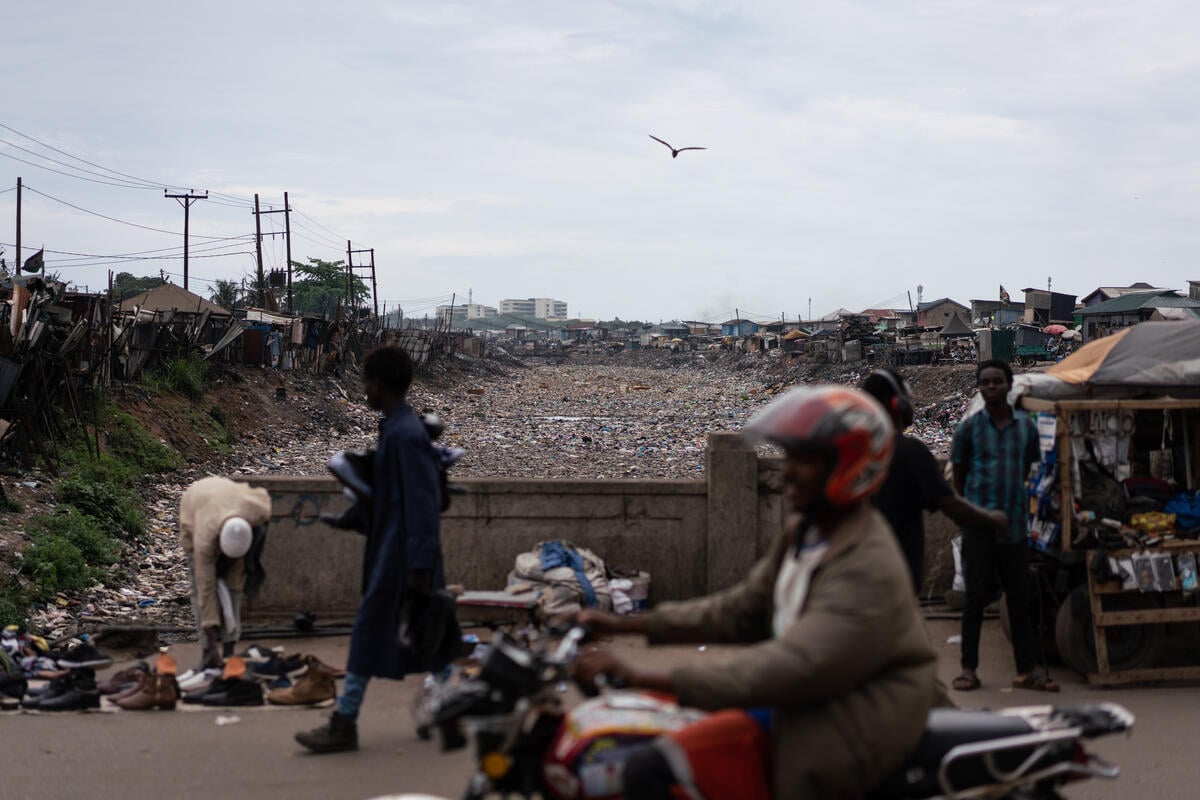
[{"x": 833, "y": 689}]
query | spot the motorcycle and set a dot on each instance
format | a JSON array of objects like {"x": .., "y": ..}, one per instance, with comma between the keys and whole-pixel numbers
[{"x": 511, "y": 708}]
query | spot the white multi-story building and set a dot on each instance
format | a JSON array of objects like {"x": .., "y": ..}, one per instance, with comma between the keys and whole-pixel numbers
[
  {"x": 477, "y": 311},
  {"x": 540, "y": 307}
]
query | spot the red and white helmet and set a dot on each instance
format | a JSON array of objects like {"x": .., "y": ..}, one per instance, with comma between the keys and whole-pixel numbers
[{"x": 846, "y": 424}]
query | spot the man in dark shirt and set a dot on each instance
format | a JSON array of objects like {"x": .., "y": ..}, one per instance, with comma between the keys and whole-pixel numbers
[
  {"x": 402, "y": 560},
  {"x": 915, "y": 483},
  {"x": 992, "y": 453}
]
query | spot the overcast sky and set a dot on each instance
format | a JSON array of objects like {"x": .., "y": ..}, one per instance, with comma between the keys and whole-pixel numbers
[{"x": 856, "y": 150}]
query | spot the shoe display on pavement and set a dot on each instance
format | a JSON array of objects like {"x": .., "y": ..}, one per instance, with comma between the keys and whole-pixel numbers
[
  {"x": 316, "y": 685},
  {"x": 259, "y": 654},
  {"x": 196, "y": 697},
  {"x": 76, "y": 692},
  {"x": 337, "y": 735},
  {"x": 84, "y": 654},
  {"x": 234, "y": 692},
  {"x": 118, "y": 682},
  {"x": 279, "y": 666},
  {"x": 56, "y": 687},
  {"x": 155, "y": 691},
  {"x": 195, "y": 680}
]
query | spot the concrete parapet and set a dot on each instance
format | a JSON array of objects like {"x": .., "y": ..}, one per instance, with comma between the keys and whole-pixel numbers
[{"x": 692, "y": 536}]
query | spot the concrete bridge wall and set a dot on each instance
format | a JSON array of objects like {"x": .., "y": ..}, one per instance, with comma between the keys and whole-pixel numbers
[{"x": 692, "y": 536}]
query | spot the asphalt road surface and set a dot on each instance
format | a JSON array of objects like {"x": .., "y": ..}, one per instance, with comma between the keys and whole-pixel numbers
[{"x": 185, "y": 754}]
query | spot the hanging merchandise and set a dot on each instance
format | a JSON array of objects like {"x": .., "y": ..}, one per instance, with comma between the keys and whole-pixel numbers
[
  {"x": 1111, "y": 432},
  {"x": 1143, "y": 570},
  {"x": 1164, "y": 572},
  {"x": 1186, "y": 564},
  {"x": 1162, "y": 460}
]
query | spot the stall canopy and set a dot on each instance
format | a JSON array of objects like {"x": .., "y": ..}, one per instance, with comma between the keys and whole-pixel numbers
[
  {"x": 956, "y": 328},
  {"x": 1158, "y": 355}
]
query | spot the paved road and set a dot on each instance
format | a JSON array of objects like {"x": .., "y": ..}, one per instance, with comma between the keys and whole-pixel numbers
[{"x": 185, "y": 754}]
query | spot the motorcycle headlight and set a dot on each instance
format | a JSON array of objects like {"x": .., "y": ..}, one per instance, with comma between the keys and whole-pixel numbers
[{"x": 495, "y": 765}]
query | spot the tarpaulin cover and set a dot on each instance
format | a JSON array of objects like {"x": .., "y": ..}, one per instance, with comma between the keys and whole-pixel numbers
[{"x": 1150, "y": 354}]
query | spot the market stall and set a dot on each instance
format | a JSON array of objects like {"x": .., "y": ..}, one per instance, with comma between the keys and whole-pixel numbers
[{"x": 1115, "y": 499}]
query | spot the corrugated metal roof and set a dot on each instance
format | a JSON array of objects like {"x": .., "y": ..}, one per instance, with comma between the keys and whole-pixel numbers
[{"x": 1162, "y": 298}]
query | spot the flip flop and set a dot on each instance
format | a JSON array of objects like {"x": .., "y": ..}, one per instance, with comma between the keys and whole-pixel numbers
[
  {"x": 1035, "y": 681},
  {"x": 966, "y": 682}
]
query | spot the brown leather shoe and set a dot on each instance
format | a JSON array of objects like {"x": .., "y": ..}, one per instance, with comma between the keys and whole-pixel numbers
[
  {"x": 316, "y": 685},
  {"x": 138, "y": 682},
  {"x": 119, "y": 682},
  {"x": 156, "y": 691}
]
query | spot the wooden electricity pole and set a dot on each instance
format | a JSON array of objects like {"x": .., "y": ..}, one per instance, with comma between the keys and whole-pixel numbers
[
  {"x": 350, "y": 267},
  {"x": 186, "y": 201},
  {"x": 287, "y": 235}
]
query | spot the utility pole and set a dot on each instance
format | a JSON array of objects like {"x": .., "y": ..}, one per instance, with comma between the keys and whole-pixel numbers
[
  {"x": 262, "y": 284},
  {"x": 186, "y": 201},
  {"x": 287, "y": 236},
  {"x": 350, "y": 272},
  {"x": 18, "y": 269}
]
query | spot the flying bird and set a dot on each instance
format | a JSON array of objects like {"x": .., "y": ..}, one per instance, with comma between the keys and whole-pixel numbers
[{"x": 675, "y": 151}]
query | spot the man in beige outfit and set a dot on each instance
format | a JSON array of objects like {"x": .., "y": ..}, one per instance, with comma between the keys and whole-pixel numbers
[
  {"x": 218, "y": 520},
  {"x": 837, "y": 675}
]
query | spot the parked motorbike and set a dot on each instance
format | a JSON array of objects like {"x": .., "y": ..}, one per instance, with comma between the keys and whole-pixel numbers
[{"x": 526, "y": 744}]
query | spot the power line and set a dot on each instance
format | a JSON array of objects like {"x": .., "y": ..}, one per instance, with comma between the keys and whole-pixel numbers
[
  {"x": 336, "y": 236},
  {"x": 69, "y": 166},
  {"x": 121, "y": 221}
]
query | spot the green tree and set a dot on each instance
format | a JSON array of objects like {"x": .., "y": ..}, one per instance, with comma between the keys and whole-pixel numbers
[
  {"x": 226, "y": 294},
  {"x": 126, "y": 285},
  {"x": 320, "y": 286}
]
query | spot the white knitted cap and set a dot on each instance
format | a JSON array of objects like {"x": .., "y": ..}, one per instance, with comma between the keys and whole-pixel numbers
[{"x": 236, "y": 537}]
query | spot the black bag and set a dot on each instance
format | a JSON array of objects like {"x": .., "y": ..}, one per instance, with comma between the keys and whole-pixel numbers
[
  {"x": 429, "y": 634},
  {"x": 1101, "y": 492}
]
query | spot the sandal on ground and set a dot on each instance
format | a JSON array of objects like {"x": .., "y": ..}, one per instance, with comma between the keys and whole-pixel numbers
[
  {"x": 1037, "y": 681},
  {"x": 966, "y": 682}
]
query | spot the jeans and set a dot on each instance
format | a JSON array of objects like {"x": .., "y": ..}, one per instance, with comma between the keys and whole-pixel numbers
[
  {"x": 986, "y": 561},
  {"x": 353, "y": 688}
]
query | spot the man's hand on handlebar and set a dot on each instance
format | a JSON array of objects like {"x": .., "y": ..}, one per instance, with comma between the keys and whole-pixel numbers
[
  {"x": 596, "y": 661},
  {"x": 602, "y": 623}
]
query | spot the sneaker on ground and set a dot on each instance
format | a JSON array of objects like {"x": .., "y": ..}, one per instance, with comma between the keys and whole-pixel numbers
[
  {"x": 195, "y": 679},
  {"x": 84, "y": 654},
  {"x": 279, "y": 667}
]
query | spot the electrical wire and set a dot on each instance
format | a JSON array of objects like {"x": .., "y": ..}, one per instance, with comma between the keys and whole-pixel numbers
[
  {"x": 319, "y": 225},
  {"x": 70, "y": 166},
  {"x": 126, "y": 222}
]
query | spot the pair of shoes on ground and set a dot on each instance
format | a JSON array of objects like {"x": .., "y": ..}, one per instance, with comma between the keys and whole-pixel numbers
[
  {"x": 317, "y": 684},
  {"x": 234, "y": 687},
  {"x": 74, "y": 691},
  {"x": 150, "y": 688},
  {"x": 84, "y": 654},
  {"x": 1035, "y": 680}
]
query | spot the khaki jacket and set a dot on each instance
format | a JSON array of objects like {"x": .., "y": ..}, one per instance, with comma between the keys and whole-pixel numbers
[
  {"x": 203, "y": 509},
  {"x": 851, "y": 681}
]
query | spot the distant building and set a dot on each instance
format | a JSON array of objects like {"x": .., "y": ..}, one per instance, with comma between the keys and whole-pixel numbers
[
  {"x": 884, "y": 319},
  {"x": 453, "y": 316},
  {"x": 738, "y": 327},
  {"x": 540, "y": 307},
  {"x": 1103, "y": 293},
  {"x": 1043, "y": 307},
  {"x": 1194, "y": 290},
  {"x": 936, "y": 313},
  {"x": 477, "y": 311},
  {"x": 1130, "y": 309},
  {"x": 996, "y": 312}
]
